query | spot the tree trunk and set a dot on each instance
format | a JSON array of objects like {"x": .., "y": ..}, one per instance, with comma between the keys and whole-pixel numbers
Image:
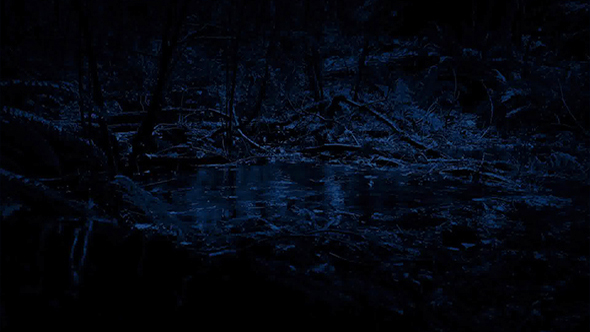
[
  {"x": 313, "y": 59},
  {"x": 361, "y": 67},
  {"x": 269, "y": 54},
  {"x": 143, "y": 141},
  {"x": 97, "y": 97},
  {"x": 233, "y": 62}
]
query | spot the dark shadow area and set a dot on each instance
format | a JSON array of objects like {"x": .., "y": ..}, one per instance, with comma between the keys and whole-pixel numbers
[{"x": 333, "y": 164}]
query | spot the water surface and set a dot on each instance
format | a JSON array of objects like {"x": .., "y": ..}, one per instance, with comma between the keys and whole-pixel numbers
[{"x": 301, "y": 191}]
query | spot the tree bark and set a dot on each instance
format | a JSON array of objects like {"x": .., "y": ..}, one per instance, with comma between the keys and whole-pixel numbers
[
  {"x": 97, "y": 96},
  {"x": 269, "y": 54},
  {"x": 143, "y": 141},
  {"x": 232, "y": 82},
  {"x": 361, "y": 67},
  {"x": 313, "y": 59}
]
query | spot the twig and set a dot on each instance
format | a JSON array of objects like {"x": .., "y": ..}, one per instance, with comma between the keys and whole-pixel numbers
[
  {"x": 157, "y": 183},
  {"x": 404, "y": 136},
  {"x": 335, "y": 231},
  {"x": 455, "y": 96},
  {"x": 252, "y": 142},
  {"x": 348, "y": 260},
  {"x": 491, "y": 109},
  {"x": 568, "y": 109},
  {"x": 172, "y": 148},
  {"x": 332, "y": 147},
  {"x": 271, "y": 225},
  {"x": 346, "y": 130},
  {"x": 491, "y": 102}
]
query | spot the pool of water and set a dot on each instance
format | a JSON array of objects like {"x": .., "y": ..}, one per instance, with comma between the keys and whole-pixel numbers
[{"x": 302, "y": 191}]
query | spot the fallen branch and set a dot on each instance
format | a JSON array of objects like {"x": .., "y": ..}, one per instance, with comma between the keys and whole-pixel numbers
[
  {"x": 491, "y": 109},
  {"x": 383, "y": 161},
  {"x": 195, "y": 110},
  {"x": 332, "y": 147},
  {"x": 404, "y": 136},
  {"x": 256, "y": 145},
  {"x": 569, "y": 110}
]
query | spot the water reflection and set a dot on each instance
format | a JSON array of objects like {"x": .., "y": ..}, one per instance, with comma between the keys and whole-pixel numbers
[{"x": 299, "y": 192}]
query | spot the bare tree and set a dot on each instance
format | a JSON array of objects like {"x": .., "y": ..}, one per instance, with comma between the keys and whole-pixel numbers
[
  {"x": 143, "y": 141},
  {"x": 97, "y": 96},
  {"x": 235, "y": 23},
  {"x": 313, "y": 59},
  {"x": 361, "y": 67},
  {"x": 269, "y": 55}
]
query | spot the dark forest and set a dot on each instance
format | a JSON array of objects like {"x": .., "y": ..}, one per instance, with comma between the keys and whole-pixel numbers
[{"x": 375, "y": 165}]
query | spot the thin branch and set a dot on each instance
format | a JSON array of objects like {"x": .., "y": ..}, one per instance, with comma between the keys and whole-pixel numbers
[
  {"x": 256, "y": 145},
  {"x": 491, "y": 109},
  {"x": 404, "y": 136},
  {"x": 568, "y": 109}
]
